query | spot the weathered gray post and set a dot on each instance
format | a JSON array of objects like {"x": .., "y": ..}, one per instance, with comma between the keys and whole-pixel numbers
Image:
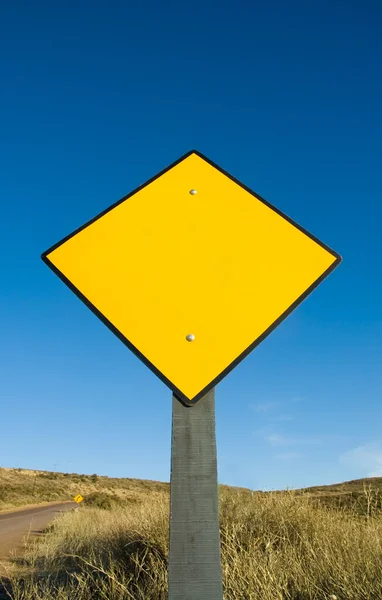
[{"x": 194, "y": 569}]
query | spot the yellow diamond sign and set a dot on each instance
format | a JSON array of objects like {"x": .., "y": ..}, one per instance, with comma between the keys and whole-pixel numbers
[
  {"x": 78, "y": 498},
  {"x": 191, "y": 271}
]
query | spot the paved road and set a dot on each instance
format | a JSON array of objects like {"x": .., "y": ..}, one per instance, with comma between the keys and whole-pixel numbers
[{"x": 15, "y": 527}]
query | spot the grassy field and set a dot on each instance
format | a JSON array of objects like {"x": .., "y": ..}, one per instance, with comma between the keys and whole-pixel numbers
[
  {"x": 22, "y": 487},
  {"x": 315, "y": 544}
]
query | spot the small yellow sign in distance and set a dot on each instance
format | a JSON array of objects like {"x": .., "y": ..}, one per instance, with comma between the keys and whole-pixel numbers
[
  {"x": 191, "y": 271},
  {"x": 78, "y": 498}
]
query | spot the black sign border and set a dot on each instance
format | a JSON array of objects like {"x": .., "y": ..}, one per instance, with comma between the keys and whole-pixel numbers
[{"x": 176, "y": 391}]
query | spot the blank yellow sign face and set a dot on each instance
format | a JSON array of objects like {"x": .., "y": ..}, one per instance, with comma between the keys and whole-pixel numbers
[
  {"x": 191, "y": 271},
  {"x": 78, "y": 498}
]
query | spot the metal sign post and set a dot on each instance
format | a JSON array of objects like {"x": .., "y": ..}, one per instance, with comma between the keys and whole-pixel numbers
[{"x": 194, "y": 565}]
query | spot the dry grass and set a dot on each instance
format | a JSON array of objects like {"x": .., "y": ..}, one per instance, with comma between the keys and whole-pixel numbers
[
  {"x": 22, "y": 487},
  {"x": 277, "y": 546}
]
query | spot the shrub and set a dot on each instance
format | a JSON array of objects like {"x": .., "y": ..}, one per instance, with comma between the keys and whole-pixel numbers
[{"x": 104, "y": 500}]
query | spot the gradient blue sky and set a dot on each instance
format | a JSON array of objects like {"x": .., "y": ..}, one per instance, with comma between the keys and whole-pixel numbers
[{"x": 97, "y": 97}]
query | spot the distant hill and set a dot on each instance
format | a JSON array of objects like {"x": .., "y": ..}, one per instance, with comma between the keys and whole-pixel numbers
[
  {"x": 23, "y": 487},
  {"x": 363, "y": 496},
  {"x": 355, "y": 485}
]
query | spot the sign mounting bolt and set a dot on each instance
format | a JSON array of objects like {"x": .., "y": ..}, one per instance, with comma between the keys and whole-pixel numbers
[
  {"x": 193, "y": 192},
  {"x": 190, "y": 337}
]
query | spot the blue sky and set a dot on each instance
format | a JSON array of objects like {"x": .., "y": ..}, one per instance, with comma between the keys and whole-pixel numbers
[{"x": 99, "y": 97}]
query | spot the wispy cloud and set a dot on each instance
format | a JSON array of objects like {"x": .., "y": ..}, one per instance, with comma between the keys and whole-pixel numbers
[
  {"x": 276, "y": 439},
  {"x": 283, "y": 418},
  {"x": 367, "y": 457},
  {"x": 377, "y": 473},
  {"x": 297, "y": 399},
  {"x": 268, "y": 407},
  {"x": 264, "y": 406},
  {"x": 287, "y": 455}
]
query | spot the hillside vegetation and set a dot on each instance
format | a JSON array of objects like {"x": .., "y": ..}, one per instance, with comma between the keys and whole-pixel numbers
[
  {"x": 320, "y": 543},
  {"x": 22, "y": 487},
  {"x": 275, "y": 546}
]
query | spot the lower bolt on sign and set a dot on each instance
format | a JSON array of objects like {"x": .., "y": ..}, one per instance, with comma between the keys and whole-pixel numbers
[{"x": 191, "y": 270}]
